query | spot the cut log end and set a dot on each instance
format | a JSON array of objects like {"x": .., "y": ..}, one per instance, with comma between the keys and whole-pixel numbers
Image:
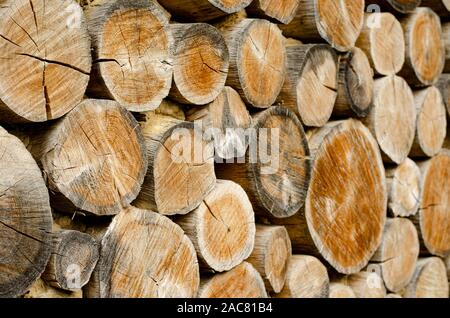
[
  {"x": 243, "y": 281},
  {"x": 280, "y": 11},
  {"x": 429, "y": 280},
  {"x": 222, "y": 228},
  {"x": 45, "y": 62},
  {"x": 348, "y": 192},
  {"x": 25, "y": 218},
  {"x": 132, "y": 48},
  {"x": 201, "y": 63},
  {"x": 431, "y": 123},
  {"x": 339, "y": 290},
  {"x": 306, "y": 277},
  {"x": 398, "y": 253},
  {"x": 404, "y": 189},
  {"x": 366, "y": 285}
]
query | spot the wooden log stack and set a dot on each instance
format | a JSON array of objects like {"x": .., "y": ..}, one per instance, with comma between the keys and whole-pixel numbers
[{"x": 224, "y": 148}]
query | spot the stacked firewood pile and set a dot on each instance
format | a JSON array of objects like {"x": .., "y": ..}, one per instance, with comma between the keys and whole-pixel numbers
[{"x": 224, "y": 148}]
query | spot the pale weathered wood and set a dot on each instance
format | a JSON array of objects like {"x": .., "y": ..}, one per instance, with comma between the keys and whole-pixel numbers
[
  {"x": 383, "y": 40},
  {"x": 257, "y": 60},
  {"x": 275, "y": 171},
  {"x": 339, "y": 290},
  {"x": 243, "y": 281},
  {"x": 355, "y": 85},
  {"x": 222, "y": 228},
  {"x": 441, "y": 7},
  {"x": 346, "y": 202},
  {"x": 444, "y": 86},
  {"x": 94, "y": 158},
  {"x": 365, "y": 285},
  {"x": 46, "y": 60},
  {"x": 145, "y": 255},
  {"x": 397, "y": 254},
  {"x": 225, "y": 120},
  {"x": 40, "y": 289},
  {"x": 429, "y": 280},
  {"x": 25, "y": 218},
  {"x": 392, "y": 119},
  {"x": 425, "y": 52},
  {"x": 181, "y": 166},
  {"x": 431, "y": 124},
  {"x": 132, "y": 46},
  {"x": 281, "y": 11},
  {"x": 73, "y": 260},
  {"x": 201, "y": 61},
  {"x": 401, "y": 6},
  {"x": 311, "y": 83},
  {"x": 337, "y": 22},
  {"x": 403, "y": 184},
  {"x": 433, "y": 219},
  {"x": 203, "y": 10},
  {"x": 393, "y": 296},
  {"x": 306, "y": 277},
  {"x": 271, "y": 255}
]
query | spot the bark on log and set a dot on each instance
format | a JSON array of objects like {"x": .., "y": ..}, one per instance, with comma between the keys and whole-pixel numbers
[
  {"x": 42, "y": 290},
  {"x": 222, "y": 228},
  {"x": 276, "y": 170},
  {"x": 383, "y": 40},
  {"x": 337, "y": 22},
  {"x": 280, "y": 11},
  {"x": 311, "y": 83},
  {"x": 395, "y": 6},
  {"x": 404, "y": 189},
  {"x": 429, "y": 280},
  {"x": 94, "y": 159},
  {"x": 425, "y": 51},
  {"x": 355, "y": 85},
  {"x": 392, "y": 119},
  {"x": 441, "y": 7},
  {"x": 365, "y": 284},
  {"x": 257, "y": 60},
  {"x": 25, "y": 218},
  {"x": 201, "y": 62},
  {"x": 339, "y": 290},
  {"x": 306, "y": 277},
  {"x": 46, "y": 59},
  {"x": 444, "y": 86},
  {"x": 132, "y": 53},
  {"x": 225, "y": 120},
  {"x": 446, "y": 36},
  {"x": 433, "y": 219},
  {"x": 431, "y": 123},
  {"x": 73, "y": 260},
  {"x": 203, "y": 10},
  {"x": 146, "y": 255},
  {"x": 346, "y": 202},
  {"x": 398, "y": 253},
  {"x": 271, "y": 255},
  {"x": 242, "y": 281},
  {"x": 181, "y": 166}
]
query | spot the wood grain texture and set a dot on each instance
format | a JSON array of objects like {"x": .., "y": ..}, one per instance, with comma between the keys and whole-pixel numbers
[
  {"x": 310, "y": 87},
  {"x": 93, "y": 159},
  {"x": 281, "y": 11},
  {"x": 431, "y": 124},
  {"x": 337, "y": 22},
  {"x": 257, "y": 60},
  {"x": 403, "y": 184},
  {"x": 201, "y": 61},
  {"x": 392, "y": 119},
  {"x": 425, "y": 51},
  {"x": 243, "y": 281},
  {"x": 271, "y": 255},
  {"x": 355, "y": 85},
  {"x": 276, "y": 181},
  {"x": 429, "y": 280},
  {"x": 339, "y": 290},
  {"x": 365, "y": 284},
  {"x": 383, "y": 40},
  {"x": 222, "y": 228},
  {"x": 45, "y": 63},
  {"x": 181, "y": 166},
  {"x": 397, "y": 254},
  {"x": 146, "y": 255},
  {"x": 132, "y": 46},
  {"x": 25, "y": 218},
  {"x": 306, "y": 277}
]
